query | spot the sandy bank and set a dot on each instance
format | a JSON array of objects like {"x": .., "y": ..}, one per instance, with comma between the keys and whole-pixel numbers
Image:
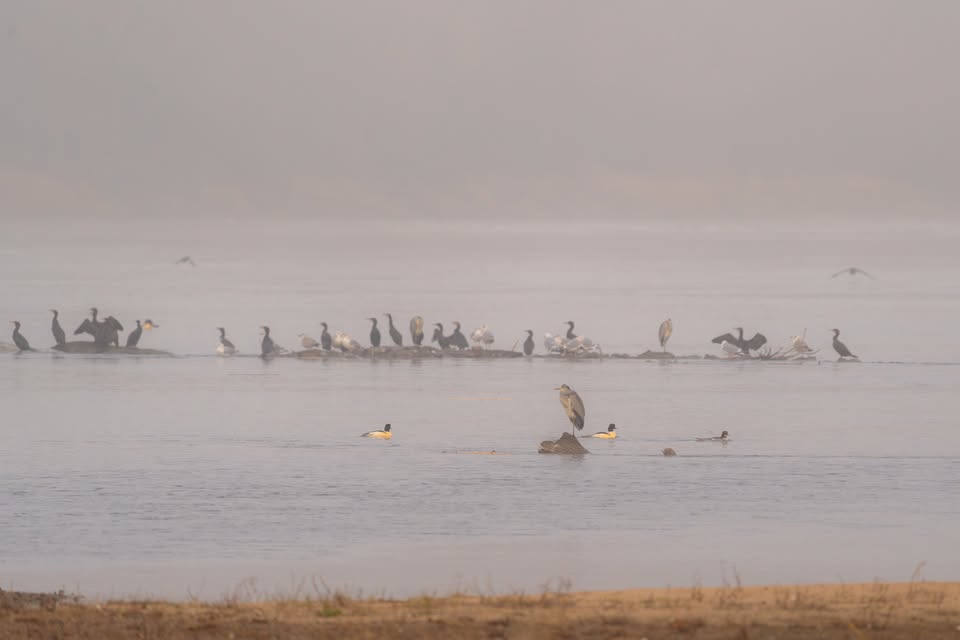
[{"x": 853, "y": 611}]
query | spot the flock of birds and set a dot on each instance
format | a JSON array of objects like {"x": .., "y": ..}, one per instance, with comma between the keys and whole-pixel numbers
[
  {"x": 106, "y": 333},
  {"x": 573, "y": 406}
]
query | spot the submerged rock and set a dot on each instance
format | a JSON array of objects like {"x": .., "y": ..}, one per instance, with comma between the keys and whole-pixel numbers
[
  {"x": 656, "y": 355},
  {"x": 567, "y": 444}
]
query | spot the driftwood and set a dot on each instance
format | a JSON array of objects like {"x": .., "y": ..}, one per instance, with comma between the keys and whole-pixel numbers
[
  {"x": 86, "y": 346},
  {"x": 567, "y": 444}
]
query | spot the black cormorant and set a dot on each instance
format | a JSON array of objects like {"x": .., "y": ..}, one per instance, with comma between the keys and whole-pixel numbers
[
  {"x": 225, "y": 348},
  {"x": 374, "y": 333},
  {"x": 839, "y": 347},
  {"x": 573, "y": 405},
  {"x": 326, "y": 341},
  {"x": 18, "y": 338},
  {"x": 134, "y": 336},
  {"x": 395, "y": 335},
  {"x": 528, "y": 344},
  {"x": 266, "y": 345},
  {"x": 58, "y": 333},
  {"x": 457, "y": 339},
  {"x": 570, "y": 334},
  {"x": 754, "y": 343},
  {"x": 439, "y": 338},
  {"x": 416, "y": 330}
]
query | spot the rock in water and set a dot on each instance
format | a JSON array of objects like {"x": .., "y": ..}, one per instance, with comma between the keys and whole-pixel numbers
[{"x": 566, "y": 444}]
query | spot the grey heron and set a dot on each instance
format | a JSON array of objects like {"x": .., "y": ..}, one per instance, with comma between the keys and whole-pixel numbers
[
  {"x": 573, "y": 406},
  {"x": 666, "y": 330}
]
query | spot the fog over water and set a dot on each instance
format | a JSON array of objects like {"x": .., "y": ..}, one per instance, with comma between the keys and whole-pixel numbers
[{"x": 516, "y": 165}]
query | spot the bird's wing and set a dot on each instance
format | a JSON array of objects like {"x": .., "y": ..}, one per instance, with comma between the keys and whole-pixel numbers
[
  {"x": 757, "y": 341},
  {"x": 728, "y": 337},
  {"x": 866, "y": 274},
  {"x": 576, "y": 404},
  {"x": 841, "y": 272}
]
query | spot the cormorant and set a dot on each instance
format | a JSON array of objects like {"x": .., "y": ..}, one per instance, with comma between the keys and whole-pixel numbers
[
  {"x": 482, "y": 336},
  {"x": 225, "y": 348},
  {"x": 573, "y": 405},
  {"x": 416, "y": 330},
  {"x": 18, "y": 338},
  {"x": 382, "y": 434},
  {"x": 58, "y": 333},
  {"x": 609, "y": 434},
  {"x": 439, "y": 338},
  {"x": 666, "y": 330},
  {"x": 326, "y": 341},
  {"x": 839, "y": 347},
  {"x": 570, "y": 334},
  {"x": 754, "y": 343},
  {"x": 308, "y": 342},
  {"x": 134, "y": 336},
  {"x": 395, "y": 335},
  {"x": 528, "y": 343},
  {"x": 266, "y": 345},
  {"x": 720, "y": 438},
  {"x": 374, "y": 333},
  {"x": 852, "y": 271},
  {"x": 457, "y": 339}
]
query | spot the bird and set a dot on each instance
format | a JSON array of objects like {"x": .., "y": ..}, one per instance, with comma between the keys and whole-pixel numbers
[
  {"x": 482, "y": 336},
  {"x": 58, "y": 333},
  {"x": 609, "y": 434},
  {"x": 528, "y": 343},
  {"x": 439, "y": 338},
  {"x": 839, "y": 347},
  {"x": 457, "y": 339},
  {"x": 730, "y": 349},
  {"x": 225, "y": 347},
  {"x": 186, "y": 260},
  {"x": 720, "y": 438},
  {"x": 307, "y": 341},
  {"x": 266, "y": 345},
  {"x": 666, "y": 330},
  {"x": 395, "y": 335},
  {"x": 416, "y": 330},
  {"x": 345, "y": 343},
  {"x": 570, "y": 334},
  {"x": 669, "y": 452},
  {"x": 134, "y": 336},
  {"x": 382, "y": 434},
  {"x": 573, "y": 405},
  {"x": 754, "y": 343},
  {"x": 326, "y": 341},
  {"x": 149, "y": 324},
  {"x": 374, "y": 333},
  {"x": 18, "y": 338},
  {"x": 799, "y": 343},
  {"x": 554, "y": 344},
  {"x": 852, "y": 271}
]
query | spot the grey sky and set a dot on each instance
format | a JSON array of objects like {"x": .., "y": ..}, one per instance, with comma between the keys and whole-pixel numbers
[{"x": 439, "y": 107}]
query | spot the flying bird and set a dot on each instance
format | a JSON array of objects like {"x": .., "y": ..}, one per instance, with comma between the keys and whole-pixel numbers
[
  {"x": 573, "y": 406},
  {"x": 186, "y": 260},
  {"x": 666, "y": 330},
  {"x": 839, "y": 347},
  {"x": 852, "y": 271}
]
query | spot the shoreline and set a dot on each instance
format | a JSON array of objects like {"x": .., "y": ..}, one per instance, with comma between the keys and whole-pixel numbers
[{"x": 857, "y": 610}]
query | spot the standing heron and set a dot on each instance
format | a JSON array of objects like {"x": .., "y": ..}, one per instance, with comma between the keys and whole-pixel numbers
[
  {"x": 570, "y": 334},
  {"x": 839, "y": 347},
  {"x": 225, "y": 347},
  {"x": 18, "y": 338},
  {"x": 573, "y": 405},
  {"x": 133, "y": 338},
  {"x": 308, "y": 342},
  {"x": 416, "y": 330},
  {"x": 439, "y": 338},
  {"x": 528, "y": 343},
  {"x": 58, "y": 333},
  {"x": 666, "y": 330},
  {"x": 395, "y": 335},
  {"x": 266, "y": 345},
  {"x": 457, "y": 339},
  {"x": 374, "y": 333},
  {"x": 326, "y": 340}
]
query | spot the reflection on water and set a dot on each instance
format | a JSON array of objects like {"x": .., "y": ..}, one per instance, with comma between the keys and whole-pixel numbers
[{"x": 163, "y": 475}]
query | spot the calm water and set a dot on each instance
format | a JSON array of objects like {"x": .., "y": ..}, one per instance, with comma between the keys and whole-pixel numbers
[{"x": 187, "y": 475}]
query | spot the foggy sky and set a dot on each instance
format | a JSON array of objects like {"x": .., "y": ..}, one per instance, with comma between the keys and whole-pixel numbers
[{"x": 496, "y": 107}]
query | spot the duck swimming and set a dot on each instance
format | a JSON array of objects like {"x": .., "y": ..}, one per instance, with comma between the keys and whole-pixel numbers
[
  {"x": 720, "y": 438},
  {"x": 609, "y": 434},
  {"x": 382, "y": 434}
]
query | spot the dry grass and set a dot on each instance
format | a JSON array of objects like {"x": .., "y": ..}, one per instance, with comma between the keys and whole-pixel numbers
[{"x": 852, "y": 612}]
